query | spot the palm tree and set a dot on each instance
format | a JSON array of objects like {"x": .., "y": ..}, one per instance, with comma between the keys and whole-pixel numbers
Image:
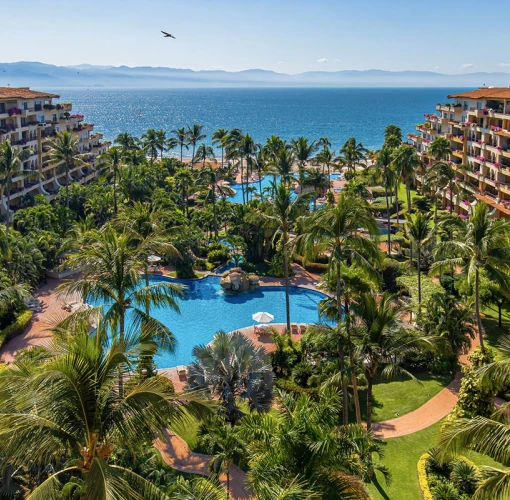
[
  {"x": 82, "y": 421},
  {"x": 327, "y": 159},
  {"x": 489, "y": 436},
  {"x": 440, "y": 148},
  {"x": 303, "y": 150},
  {"x": 184, "y": 183},
  {"x": 126, "y": 141},
  {"x": 335, "y": 231},
  {"x": 65, "y": 153},
  {"x": 392, "y": 133},
  {"x": 319, "y": 182},
  {"x": 11, "y": 166},
  {"x": 282, "y": 165},
  {"x": 481, "y": 244},
  {"x": 421, "y": 232},
  {"x": 109, "y": 163},
  {"x": 382, "y": 341},
  {"x": 406, "y": 160},
  {"x": 233, "y": 369},
  {"x": 111, "y": 267},
  {"x": 324, "y": 143},
  {"x": 301, "y": 439},
  {"x": 153, "y": 142},
  {"x": 220, "y": 138},
  {"x": 204, "y": 153},
  {"x": 182, "y": 138},
  {"x": 222, "y": 442},
  {"x": 352, "y": 153},
  {"x": 282, "y": 212},
  {"x": 247, "y": 148},
  {"x": 171, "y": 143},
  {"x": 259, "y": 165},
  {"x": 210, "y": 178},
  {"x": 194, "y": 135},
  {"x": 386, "y": 175}
]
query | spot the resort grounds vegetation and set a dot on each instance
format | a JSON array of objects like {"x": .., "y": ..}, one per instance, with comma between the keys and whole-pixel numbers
[{"x": 409, "y": 286}]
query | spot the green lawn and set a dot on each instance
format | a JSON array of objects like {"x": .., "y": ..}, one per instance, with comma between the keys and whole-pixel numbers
[
  {"x": 403, "y": 396},
  {"x": 401, "y": 457}
]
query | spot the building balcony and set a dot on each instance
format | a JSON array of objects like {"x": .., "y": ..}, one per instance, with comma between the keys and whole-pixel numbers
[{"x": 504, "y": 187}]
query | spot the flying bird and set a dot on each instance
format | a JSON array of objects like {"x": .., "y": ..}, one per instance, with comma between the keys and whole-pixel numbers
[{"x": 167, "y": 35}]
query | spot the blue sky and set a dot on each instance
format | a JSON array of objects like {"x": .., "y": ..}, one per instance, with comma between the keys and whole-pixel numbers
[{"x": 288, "y": 36}]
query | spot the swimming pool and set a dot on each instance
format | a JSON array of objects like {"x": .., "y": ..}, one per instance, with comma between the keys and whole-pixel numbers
[{"x": 205, "y": 309}]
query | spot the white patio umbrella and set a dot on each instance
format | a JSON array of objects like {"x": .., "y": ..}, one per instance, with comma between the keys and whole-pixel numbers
[
  {"x": 153, "y": 258},
  {"x": 262, "y": 317}
]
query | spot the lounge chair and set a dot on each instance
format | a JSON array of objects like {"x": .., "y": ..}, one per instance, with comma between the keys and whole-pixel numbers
[
  {"x": 256, "y": 330},
  {"x": 302, "y": 329},
  {"x": 182, "y": 371},
  {"x": 294, "y": 329}
]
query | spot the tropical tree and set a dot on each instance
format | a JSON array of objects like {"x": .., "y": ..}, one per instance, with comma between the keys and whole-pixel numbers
[
  {"x": 335, "y": 231},
  {"x": 182, "y": 138},
  {"x": 210, "y": 178},
  {"x": 220, "y": 138},
  {"x": 352, "y": 153},
  {"x": 11, "y": 166},
  {"x": 420, "y": 231},
  {"x": 82, "y": 420},
  {"x": 303, "y": 150},
  {"x": 194, "y": 135},
  {"x": 282, "y": 213},
  {"x": 110, "y": 163},
  {"x": 247, "y": 148},
  {"x": 233, "y": 369},
  {"x": 126, "y": 142},
  {"x": 385, "y": 174},
  {"x": 184, "y": 183},
  {"x": 382, "y": 341},
  {"x": 204, "y": 153},
  {"x": 405, "y": 161},
  {"x": 481, "y": 243},
  {"x": 324, "y": 143},
  {"x": 301, "y": 439},
  {"x": 65, "y": 154},
  {"x": 392, "y": 132},
  {"x": 326, "y": 158},
  {"x": 319, "y": 182},
  {"x": 281, "y": 165},
  {"x": 152, "y": 143}
]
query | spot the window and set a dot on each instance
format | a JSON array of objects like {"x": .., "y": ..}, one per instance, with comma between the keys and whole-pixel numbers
[
  {"x": 24, "y": 105},
  {"x": 463, "y": 118},
  {"x": 452, "y": 116},
  {"x": 465, "y": 105},
  {"x": 479, "y": 105}
]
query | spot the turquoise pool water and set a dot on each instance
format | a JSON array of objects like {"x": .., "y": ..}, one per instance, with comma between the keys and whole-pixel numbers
[{"x": 206, "y": 309}]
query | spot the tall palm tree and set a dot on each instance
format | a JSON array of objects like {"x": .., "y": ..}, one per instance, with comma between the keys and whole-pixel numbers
[
  {"x": 303, "y": 150},
  {"x": 282, "y": 165},
  {"x": 11, "y": 166},
  {"x": 126, "y": 141},
  {"x": 258, "y": 164},
  {"x": 324, "y": 143},
  {"x": 282, "y": 212},
  {"x": 319, "y": 182},
  {"x": 392, "y": 132},
  {"x": 406, "y": 160},
  {"x": 326, "y": 158},
  {"x": 195, "y": 135},
  {"x": 171, "y": 143},
  {"x": 65, "y": 154},
  {"x": 204, "y": 153},
  {"x": 382, "y": 341},
  {"x": 110, "y": 164},
  {"x": 335, "y": 231},
  {"x": 233, "y": 369},
  {"x": 182, "y": 138},
  {"x": 162, "y": 141},
  {"x": 111, "y": 267},
  {"x": 210, "y": 178},
  {"x": 481, "y": 243},
  {"x": 421, "y": 232},
  {"x": 220, "y": 138},
  {"x": 385, "y": 174},
  {"x": 82, "y": 421},
  {"x": 247, "y": 148},
  {"x": 184, "y": 183},
  {"x": 152, "y": 143},
  {"x": 352, "y": 153}
]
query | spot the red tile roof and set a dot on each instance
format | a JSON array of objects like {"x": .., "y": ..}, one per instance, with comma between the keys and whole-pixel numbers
[
  {"x": 485, "y": 93},
  {"x": 24, "y": 93}
]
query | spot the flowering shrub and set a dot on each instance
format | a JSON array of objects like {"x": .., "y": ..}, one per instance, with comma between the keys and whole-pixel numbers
[{"x": 14, "y": 111}]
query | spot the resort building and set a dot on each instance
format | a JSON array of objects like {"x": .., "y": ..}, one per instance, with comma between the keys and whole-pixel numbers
[
  {"x": 29, "y": 119},
  {"x": 477, "y": 124}
]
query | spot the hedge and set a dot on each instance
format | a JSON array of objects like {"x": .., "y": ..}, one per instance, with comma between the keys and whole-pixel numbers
[
  {"x": 423, "y": 478},
  {"x": 428, "y": 288},
  {"x": 16, "y": 328},
  {"x": 312, "y": 267}
]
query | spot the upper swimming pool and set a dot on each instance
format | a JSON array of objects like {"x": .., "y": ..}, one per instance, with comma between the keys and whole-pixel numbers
[{"x": 205, "y": 309}]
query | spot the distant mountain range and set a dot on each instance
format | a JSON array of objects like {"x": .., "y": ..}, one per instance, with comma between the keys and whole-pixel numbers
[{"x": 36, "y": 74}]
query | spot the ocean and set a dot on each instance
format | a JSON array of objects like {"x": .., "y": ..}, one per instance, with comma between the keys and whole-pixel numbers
[{"x": 337, "y": 113}]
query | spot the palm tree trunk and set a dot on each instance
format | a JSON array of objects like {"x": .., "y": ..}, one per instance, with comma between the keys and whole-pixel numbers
[
  {"x": 477, "y": 308},
  {"x": 260, "y": 182},
  {"x": 286, "y": 264},
  {"x": 354, "y": 380},
  {"x": 181, "y": 150},
  {"x": 67, "y": 186},
  {"x": 500, "y": 307},
  {"x": 228, "y": 482},
  {"x": 115, "y": 192},
  {"x": 418, "y": 252},
  {"x": 341, "y": 361},
  {"x": 242, "y": 179},
  {"x": 451, "y": 199},
  {"x": 389, "y": 221},
  {"x": 8, "y": 214},
  {"x": 214, "y": 214},
  {"x": 408, "y": 194},
  {"x": 396, "y": 199},
  {"x": 369, "y": 401}
]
